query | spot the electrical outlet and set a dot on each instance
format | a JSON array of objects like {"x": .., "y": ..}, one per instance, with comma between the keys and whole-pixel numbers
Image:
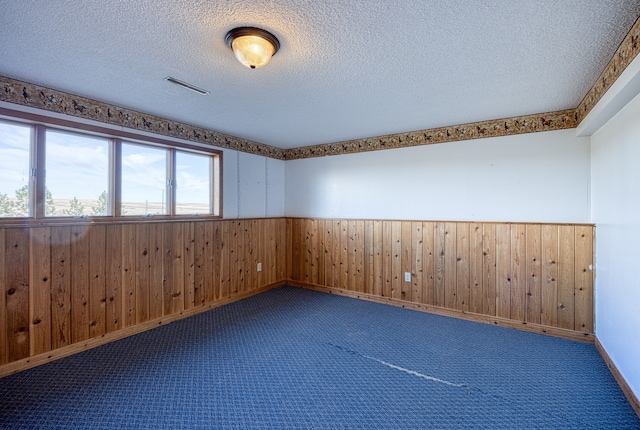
[
  {"x": 259, "y": 267},
  {"x": 407, "y": 276}
]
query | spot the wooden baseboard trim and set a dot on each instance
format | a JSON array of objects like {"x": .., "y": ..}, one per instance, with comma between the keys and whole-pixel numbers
[
  {"x": 503, "y": 322},
  {"x": 633, "y": 399},
  {"x": 36, "y": 360}
]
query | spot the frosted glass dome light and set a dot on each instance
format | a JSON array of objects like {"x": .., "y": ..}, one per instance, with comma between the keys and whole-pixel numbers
[{"x": 252, "y": 46}]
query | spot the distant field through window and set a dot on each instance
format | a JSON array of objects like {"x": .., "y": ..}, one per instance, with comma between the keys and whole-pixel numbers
[
  {"x": 77, "y": 178},
  {"x": 15, "y": 170},
  {"x": 144, "y": 180},
  {"x": 85, "y": 171},
  {"x": 193, "y": 180}
]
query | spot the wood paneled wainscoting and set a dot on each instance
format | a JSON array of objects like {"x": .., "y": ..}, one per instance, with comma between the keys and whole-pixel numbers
[
  {"x": 535, "y": 277},
  {"x": 66, "y": 288}
]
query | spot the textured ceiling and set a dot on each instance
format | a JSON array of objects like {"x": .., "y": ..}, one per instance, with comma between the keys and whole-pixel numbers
[{"x": 345, "y": 70}]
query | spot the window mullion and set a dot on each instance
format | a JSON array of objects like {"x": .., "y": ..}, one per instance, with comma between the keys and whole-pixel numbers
[
  {"x": 171, "y": 182},
  {"x": 215, "y": 188},
  {"x": 38, "y": 194},
  {"x": 115, "y": 178}
]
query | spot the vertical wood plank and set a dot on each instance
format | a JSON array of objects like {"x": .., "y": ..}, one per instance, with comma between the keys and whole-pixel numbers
[
  {"x": 336, "y": 253},
  {"x": 429, "y": 260},
  {"x": 288, "y": 249},
  {"x": 60, "y": 287},
  {"x": 97, "y": 280},
  {"x": 246, "y": 256},
  {"x": 238, "y": 264},
  {"x": 226, "y": 255},
  {"x": 387, "y": 258},
  {"x": 503, "y": 270},
  {"x": 489, "y": 276},
  {"x": 344, "y": 254},
  {"x": 351, "y": 255},
  {"x": 40, "y": 294},
  {"x": 312, "y": 250},
  {"x": 188, "y": 253},
  {"x": 199, "y": 262},
  {"x": 518, "y": 272},
  {"x": 368, "y": 257},
  {"x": 359, "y": 250},
  {"x": 450, "y": 257},
  {"x": 584, "y": 279},
  {"x": 549, "y": 287},
  {"x": 397, "y": 278},
  {"x": 274, "y": 250},
  {"x": 294, "y": 258},
  {"x": 79, "y": 284},
  {"x": 406, "y": 260},
  {"x": 566, "y": 277},
  {"x": 208, "y": 257},
  {"x": 114, "y": 284},
  {"x": 167, "y": 264},
  {"x": 534, "y": 273},
  {"x": 217, "y": 237},
  {"x": 378, "y": 276},
  {"x": 129, "y": 253},
  {"x": 321, "y": 237},
  {"x": 330, "y": 256},
  {"x": 250, "y": 263},
  {"x": 417, "y": 269},
  {"x": 233, "y": 258},
  {"x": 178, "y": 265},
  {"x": 156, "y": 273},
  {"x": 16, "y": 289},
  {"x": 260, "y": 256},
  {"x": 4, "y": 347},
  {"x": 463, "y": 291},
  {"x": 145, "y": 248},
  {"x": 439, "y": 264},
  {"x": 476, "y": 267}
]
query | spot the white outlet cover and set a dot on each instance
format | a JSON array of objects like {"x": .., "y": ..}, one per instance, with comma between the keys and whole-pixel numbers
[{"x": 407, "y": 276}]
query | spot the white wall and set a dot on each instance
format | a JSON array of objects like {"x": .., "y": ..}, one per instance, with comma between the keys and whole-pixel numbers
[
  {"x": 538, "y": 177},
  {"x": 615, "y": 172},
  {"x": 253, "y": 186}
]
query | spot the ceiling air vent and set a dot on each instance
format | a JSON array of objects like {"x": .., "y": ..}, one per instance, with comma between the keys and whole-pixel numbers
[{"x": 187, "y": 86}]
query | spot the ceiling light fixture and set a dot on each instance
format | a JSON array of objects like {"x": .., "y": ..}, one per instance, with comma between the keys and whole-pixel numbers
[{"x": 252, "y": 46}]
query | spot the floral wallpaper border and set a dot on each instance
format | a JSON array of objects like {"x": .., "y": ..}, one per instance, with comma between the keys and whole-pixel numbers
[
  {"x": 627, "y": 51},
  {"x": 500, "y": 127},
  {"x": 26, "y": 94}
]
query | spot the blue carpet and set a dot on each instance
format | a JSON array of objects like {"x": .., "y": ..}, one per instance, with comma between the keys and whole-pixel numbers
[{"x": 293, "y": 358}]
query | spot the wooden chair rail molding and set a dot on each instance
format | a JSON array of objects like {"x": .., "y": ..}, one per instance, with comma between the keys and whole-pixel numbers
[
  {"x": 536, "y": 277},
  {"x": 67, "y": 288}
]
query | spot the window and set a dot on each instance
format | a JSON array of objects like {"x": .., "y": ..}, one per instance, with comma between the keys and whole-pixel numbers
[
  {"x": 193, "y": 180},
  {"x": 15, "y": 170},
  {"x": 94, "y": 173},
  {"x": 77, "y": 175},
  {"x": 144, "y": 180}
]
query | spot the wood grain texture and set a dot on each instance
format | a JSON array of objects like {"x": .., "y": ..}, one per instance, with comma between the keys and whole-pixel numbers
[
  {"x": 508, "y": 271},
  {"x": 16, "y": 290},
  {"x": 66, "y": 286},
  {"x": 145, "y": 267},
  {"x": 97, "y": 237},
  {"x": 4, "y": 347},
  {"x": 79, "y": 265},
  {"x": 40, "y": 293},
  {"x": 114, "y": 290},
  {"x": 60, "y": 287}
]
